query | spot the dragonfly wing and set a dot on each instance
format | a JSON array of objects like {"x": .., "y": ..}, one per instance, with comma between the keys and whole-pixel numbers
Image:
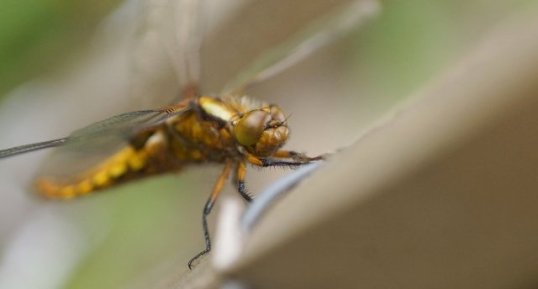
[
  {"x": 257, "y": 46},
  {"x": 5, "y": 153},
  {"x": 181, "y": 33},
  {"x": 87, "y": 148},
  {"x": 123, "y": 125},
  {"x": 71, "y": 161},
  {"x": 165, "y": 55},
  {"x": 299, "y": 47}
]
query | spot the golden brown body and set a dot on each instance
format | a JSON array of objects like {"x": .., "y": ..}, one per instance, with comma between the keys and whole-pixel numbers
[{"x": 203, "y": 133}]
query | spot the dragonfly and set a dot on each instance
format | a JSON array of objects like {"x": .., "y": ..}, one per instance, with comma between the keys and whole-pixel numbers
[{"x": 229, "y": 129}]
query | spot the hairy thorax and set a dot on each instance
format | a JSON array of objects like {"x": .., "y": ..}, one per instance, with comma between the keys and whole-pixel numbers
[{"x": 195, "y": 139}]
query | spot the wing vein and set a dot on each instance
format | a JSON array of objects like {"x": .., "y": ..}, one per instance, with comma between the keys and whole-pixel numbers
[{"x": 31, "y": 147}]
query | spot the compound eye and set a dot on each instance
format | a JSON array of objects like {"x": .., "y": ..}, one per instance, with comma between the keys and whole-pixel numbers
[
  {"x": 276, "y": 114},
  {"x": 250, "y": 127}
]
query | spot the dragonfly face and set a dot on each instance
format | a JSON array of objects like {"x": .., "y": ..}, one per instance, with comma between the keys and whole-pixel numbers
[{"x": 262, "y": 131}]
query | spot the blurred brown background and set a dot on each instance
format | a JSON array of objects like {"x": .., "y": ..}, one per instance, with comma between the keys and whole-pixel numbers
[{"x": 67, "y": 65}]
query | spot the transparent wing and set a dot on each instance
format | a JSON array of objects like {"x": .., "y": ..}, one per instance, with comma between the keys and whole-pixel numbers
[
  {"x": 166, "y": 51},
  {"x": 181, "y": 34},
  {"x": 88, "y": 147},
  {"x": 31, "y": 147},
  {"x": 266, "y": 37},
  {"x": 118, "y": 126},
  {"x": 124, "y": 124}
]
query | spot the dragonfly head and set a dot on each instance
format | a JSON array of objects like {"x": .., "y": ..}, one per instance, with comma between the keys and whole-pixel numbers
[{"x": 261, "y": 131}]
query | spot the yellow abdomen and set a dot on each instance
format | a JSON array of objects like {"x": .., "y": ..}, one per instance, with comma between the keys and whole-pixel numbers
[{"x": 127, "y": 161}]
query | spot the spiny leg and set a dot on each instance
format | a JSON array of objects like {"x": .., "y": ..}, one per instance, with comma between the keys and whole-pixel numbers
[
  {"x": 207, "y": 209},
  {"x": 297, "y": 160},
  {"x": 296, "y": 156},
  {"x": 239, "y": 179}
]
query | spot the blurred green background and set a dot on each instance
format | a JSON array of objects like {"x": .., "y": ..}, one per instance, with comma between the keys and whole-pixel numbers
[
  {"x": 37, "y": 36},
  {"x": 155, "y": 225}
]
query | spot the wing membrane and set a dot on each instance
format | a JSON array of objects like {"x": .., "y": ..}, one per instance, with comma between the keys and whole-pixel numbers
[
  {"x": 123, "y": 124},
  {"x": 185, "y": 36},
  {"x": 91, "y": 145},
  {"x": 120, "y": 126},
  {"x": 165, "y": 50},
  {"x": 265, "y": 35},
  {"x": 300, "y": 46}
]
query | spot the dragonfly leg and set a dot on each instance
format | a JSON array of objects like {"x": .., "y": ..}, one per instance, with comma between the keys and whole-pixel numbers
[
  {"x": 239, "y": 179},
  {"x": 207, "y": 210},
  {"x": 270, "y": 162},
  {"x": 296, "y": 156}
]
